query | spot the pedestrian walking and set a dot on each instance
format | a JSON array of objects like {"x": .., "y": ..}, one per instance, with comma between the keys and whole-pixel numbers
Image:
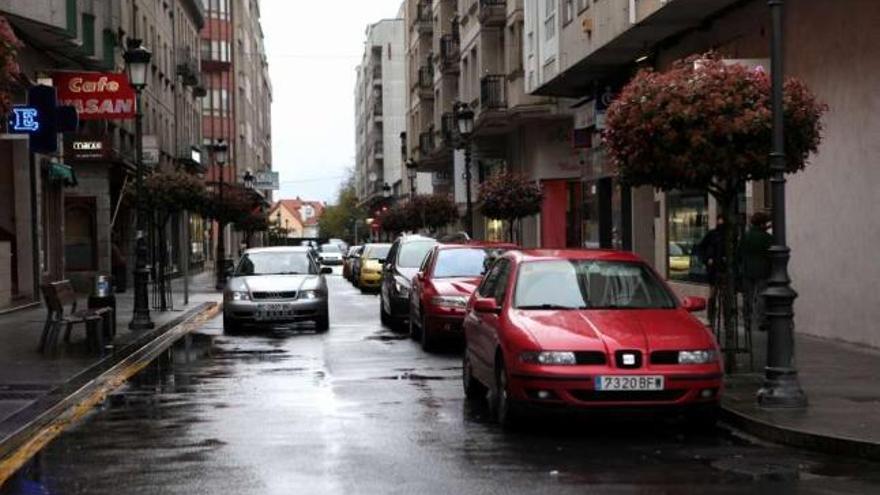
[
  {"x": 711, "y": 253},
  {"x": 753, "y": 258}
]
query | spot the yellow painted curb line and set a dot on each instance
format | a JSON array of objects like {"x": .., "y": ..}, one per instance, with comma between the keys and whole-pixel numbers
[{"x": 111, "y": 380}]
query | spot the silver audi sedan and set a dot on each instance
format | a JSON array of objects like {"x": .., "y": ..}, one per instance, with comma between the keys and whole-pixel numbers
[{"x": 274, "y": 286}]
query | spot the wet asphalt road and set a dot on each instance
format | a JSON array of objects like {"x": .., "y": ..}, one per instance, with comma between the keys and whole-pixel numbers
[{"x": 363, "y": 410}]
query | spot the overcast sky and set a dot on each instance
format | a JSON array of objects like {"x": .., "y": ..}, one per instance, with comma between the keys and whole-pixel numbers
[{"x": 313, "y": 50}]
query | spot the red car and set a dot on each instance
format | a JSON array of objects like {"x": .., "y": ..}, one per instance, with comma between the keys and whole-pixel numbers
[
  {"x": 586, "y": 329},
  {"x": 441, "y": 288}
]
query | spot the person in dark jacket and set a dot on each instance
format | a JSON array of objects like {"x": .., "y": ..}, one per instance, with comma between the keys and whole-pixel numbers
[
  {"x": 753, "y": 258},
  {"x": 711, "y": 254}
]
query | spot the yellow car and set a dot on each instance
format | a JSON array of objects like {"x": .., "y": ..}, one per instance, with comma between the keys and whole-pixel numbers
[
  {"x": 369, "y": 274},
  {"x": 679, "y": 259}
]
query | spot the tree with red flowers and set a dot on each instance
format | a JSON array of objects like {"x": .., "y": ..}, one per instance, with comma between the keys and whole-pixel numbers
[
  {"x": 706, "y": 124},
  {"x": 431, "y": 211},
  {"x": 511, "y": 197},
  {"x": 9, "y": 68}
]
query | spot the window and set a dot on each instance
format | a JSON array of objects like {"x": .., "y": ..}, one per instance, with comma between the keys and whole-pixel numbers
[
  {"x": 71, "y": 17},
  {"x": 88, "y": 34},
  {"x": 549, "y": 19},
  {"x": 108, "y": 42},
  {"x": 292, "y": 263},
  {"x": 568, "y": 11},
  {"x": 80, "y": 239},
  {"x": 589, "y": 284},
  {"x": 413, "y": 253},
  {"x": 582, "y": 5},
  {"x": 687, "y": 222},
  {"x": 455, "y": 263}
]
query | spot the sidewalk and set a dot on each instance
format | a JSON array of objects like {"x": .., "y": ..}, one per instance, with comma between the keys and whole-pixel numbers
[
  {"x": 842, "y": 383},
  {"x": 26, "y": 375}
]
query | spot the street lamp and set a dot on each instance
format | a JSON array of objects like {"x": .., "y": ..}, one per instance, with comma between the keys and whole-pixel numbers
[
  {"x": 219, "y": 151},
  {"x": 781, "y": 387},
  {"x": 386, "y": 191},
  {"x": 464, "y": 116},
  {"x": 137, "y": 64},
  {"x": 412, "y": 172},
  {"x": 248, "y": 179}
]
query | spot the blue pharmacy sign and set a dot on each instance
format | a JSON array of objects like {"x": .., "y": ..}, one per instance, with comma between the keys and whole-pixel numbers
[{"x": 24, "y": 120}]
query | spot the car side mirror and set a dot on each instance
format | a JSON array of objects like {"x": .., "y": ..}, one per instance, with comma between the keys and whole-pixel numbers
[
  {"x": 381, "y": 261},
  {"x": 486, "y": 305},
  {"x": 693, "y": 304},
  {"x": 326, "y": 270}
]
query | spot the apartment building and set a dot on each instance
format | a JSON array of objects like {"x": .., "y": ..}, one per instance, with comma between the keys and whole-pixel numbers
[
  {"x": 237, "y": 108},
  {"x": 829, "y": 45},
  {"x": 380, "y": 114},
  {"x": 69, "y": 221}
]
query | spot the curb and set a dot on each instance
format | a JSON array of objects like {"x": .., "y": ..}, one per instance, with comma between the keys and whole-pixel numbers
[
  {"x": 799, "y": 438},
  {"x": 29, "y": 430}
]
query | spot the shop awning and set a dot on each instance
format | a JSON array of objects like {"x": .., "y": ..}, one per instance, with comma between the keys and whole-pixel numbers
[{"x": 59, "y": 172}]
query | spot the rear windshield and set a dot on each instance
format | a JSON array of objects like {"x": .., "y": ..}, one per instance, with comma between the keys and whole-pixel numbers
[
  {"x": 413, "y": 253},
  {"x": 452, "y": 263},
  {"x": 330, "y": 248},
  {"x": 377, "y": 251}
]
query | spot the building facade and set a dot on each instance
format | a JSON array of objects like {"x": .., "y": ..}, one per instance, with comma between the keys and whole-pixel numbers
[
  {"x": 380, "y": 100},
  {"x": 598, "y": 47}
]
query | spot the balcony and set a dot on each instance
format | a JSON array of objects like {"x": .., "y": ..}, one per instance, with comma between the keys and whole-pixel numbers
[
  {"x": 493, "y": 92},
  {"x": 426, "y": 143},
  {"x": 379, "y": 150},
  {"x": 377, "y": 108},
  {"x": 450, "y": 54},
  {"x": 188, "y": 67},
  {"x": 425, "y": 82},
  {"x": 423, "y": 20},
  {"x": 448, "y": 128},
  {"x": 493, "y": 13}
]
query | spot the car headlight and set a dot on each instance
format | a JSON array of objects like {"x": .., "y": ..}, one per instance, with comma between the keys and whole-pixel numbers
[
  {"x": 556, "y": 358},
  {"x": 697, "y": 357},
  {"x": 402, "y": 289},
  {"x": 310, "y": 294},
  {"x": 238, "y": 296},
  {"x": 450, "y": 301}
]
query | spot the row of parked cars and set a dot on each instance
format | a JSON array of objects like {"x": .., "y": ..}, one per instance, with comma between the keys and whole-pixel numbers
[{"x": 549, "y": 328}]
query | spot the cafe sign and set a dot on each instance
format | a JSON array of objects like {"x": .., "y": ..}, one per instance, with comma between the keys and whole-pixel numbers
[{"x": 96, "y": 95}]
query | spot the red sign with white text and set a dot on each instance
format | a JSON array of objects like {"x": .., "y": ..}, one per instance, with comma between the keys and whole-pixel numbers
[{"x": 96, "y": 95}]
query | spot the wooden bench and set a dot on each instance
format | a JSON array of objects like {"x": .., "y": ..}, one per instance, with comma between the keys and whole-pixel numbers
[{"x": 97, "y": 322}]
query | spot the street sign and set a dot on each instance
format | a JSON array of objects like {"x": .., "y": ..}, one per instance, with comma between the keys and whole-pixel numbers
[
  {"x": 24, "y": 120},
  {"x": 151, "y": 149},
  {"x": 84, "y": 148},
  {"x": 267, "y": 180},
  {"x": 42, "y": 119}
]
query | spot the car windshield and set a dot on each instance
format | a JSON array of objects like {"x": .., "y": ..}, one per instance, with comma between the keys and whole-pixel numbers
[
  {"x": 275, "y": 263},
  {"x": 468, "y": 262},
  {"x": 413, "y": 253},
  {"x": 330, "y": 248},
  {"x": 589, "y": 284},
  {"x": 377, "y": 251}
]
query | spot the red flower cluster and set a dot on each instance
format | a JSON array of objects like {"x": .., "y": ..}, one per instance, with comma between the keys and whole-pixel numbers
[
  {"x": 510, "y": 196},
  {"x": 9, "y": 69},
  {"x": 431, "y": 211},
  {"x": 706, "y": 123}
]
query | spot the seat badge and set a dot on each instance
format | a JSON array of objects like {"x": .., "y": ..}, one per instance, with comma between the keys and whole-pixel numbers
[{"x": 629, "y": 359}]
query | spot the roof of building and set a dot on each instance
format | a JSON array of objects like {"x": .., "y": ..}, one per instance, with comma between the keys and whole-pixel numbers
[{"x": 294, "y": 206}]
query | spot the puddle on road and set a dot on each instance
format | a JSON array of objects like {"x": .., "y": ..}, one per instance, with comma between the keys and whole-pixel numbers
[{"x": 415, "y": 376}]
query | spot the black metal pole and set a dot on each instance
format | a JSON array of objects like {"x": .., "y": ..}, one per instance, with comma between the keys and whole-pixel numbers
[
  {"x": 141, "y": 317},
  {"x": 781, "y": 387},
  {"x": 221, "y": 241},
  {"x": 469, "y": 213}
]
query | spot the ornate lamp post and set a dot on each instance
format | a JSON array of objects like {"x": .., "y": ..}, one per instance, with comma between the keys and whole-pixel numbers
[
  {"x": 386, "y": 191},
  {"x": 412, "y": 172},
  {"x": 219, "y": 151},
  {"x": 781, "y": 386},
  {"x": 464, "y": 116},
  {"x": 137, "y": 64}
]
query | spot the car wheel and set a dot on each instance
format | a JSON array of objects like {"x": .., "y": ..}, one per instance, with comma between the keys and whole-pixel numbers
[
  {"x": 384, "y": 317},
  {"x": 429, "y": 340},
  {"x": 322, "y": 324},
  {"x": 504, "y": 410},
  {"x": 414, "y": 330},
  {"x": 703, "y": 419},
  {"x": 473, "y": 389},
  {"x": 230, "y": 327}
]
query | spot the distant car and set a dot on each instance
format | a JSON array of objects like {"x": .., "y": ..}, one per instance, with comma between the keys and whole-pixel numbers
[
  {"x": 406, "y": 256},
  {"x": 441, "y": 289},
  {"x": 587, "y": 329},
  {"x": 330, "y": 254},
  {"x": 343, "y": 246},
  {"x": 348, "y": 261},
  {"x": 367, "y": 270},
  {"x": 275, "y": 286}
]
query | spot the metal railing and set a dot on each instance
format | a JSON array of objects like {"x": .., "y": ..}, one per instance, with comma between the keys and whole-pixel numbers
[
  {"x": 493, "y": 92},
  {"x": 450, "y": 53},
  {"x": 493, "y": 11},
  {"x": 448, "y": 128},
  {"x": 426, "y": 142},
  {"x": 426, "y": 77}
]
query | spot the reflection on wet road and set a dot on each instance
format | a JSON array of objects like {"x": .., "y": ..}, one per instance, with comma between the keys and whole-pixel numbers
[{"x": 363, "y": 410}]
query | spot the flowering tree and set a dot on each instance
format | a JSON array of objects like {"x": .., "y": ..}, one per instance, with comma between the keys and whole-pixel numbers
[
  {"x": 707, "y": 125},
  {"x": 9, "y": 69},
  {"x": 256, "y": 221},
  {"x": 396, "y": 219},
  {"x": 510, "y": 197},
  {"x": 431, "y": 211},
  {"x": 236, "y": 206}
]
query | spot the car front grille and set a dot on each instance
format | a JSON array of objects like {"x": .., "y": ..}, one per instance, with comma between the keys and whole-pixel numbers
[
  {"x": 628, "y": 396},
  {"x": 265, "y": 296},
  {"x": 590, "y": 357}
]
